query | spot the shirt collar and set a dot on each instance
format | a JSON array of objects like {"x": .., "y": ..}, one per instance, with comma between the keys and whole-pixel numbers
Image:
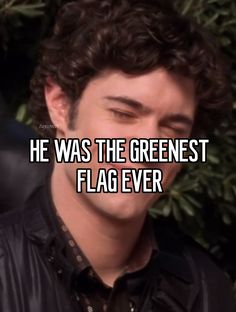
[{"x": 41, "y": 229}]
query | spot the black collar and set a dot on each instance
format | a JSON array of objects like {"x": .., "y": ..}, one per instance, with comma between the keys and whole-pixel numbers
[{"x": 172, "y": 273}]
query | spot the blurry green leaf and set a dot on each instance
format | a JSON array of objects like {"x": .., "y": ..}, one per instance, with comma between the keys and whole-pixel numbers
[
  {"x": 229, "y": 23},
  {"x": 227, "y": 220},
  {"x": 186, "y": 206},
  {"x": 229, "y": 194},
  {"x": 210, "y": 192},
  {"x": 212, "y": 19},
  {"x": 213, "y": 159},
  {"x": 29, "y": 122},
  {"x": 234, "y": 190},
  {"x": 188, "y": 5},
  {"x": 21, "y": 113},
  {"x": 212, "y": 1},
  {"x": 225, "y": 41},
  {"x": 167, "y": 209},
  {"x": 193, "y": 201},
  {"x": 176, "y": 212},
  {"x": 29, "y": 10}
]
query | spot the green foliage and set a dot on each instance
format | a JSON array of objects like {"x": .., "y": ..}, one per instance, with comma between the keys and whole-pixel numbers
[
  {"x": 12, "y": 7},
  {"x": 22, "y": 116},
  {"x": 11, "y": 13},
  {"x": 203, "y": 198}
]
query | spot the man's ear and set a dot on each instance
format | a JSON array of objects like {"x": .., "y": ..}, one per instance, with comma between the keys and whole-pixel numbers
[{"x": 58, "y": 106}]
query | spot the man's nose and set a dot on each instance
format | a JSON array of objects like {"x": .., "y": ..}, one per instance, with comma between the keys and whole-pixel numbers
[{"x": 148, "y": 130}]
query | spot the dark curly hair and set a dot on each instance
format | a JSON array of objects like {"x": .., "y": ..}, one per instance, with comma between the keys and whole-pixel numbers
[{"x": 134, "y": 36}]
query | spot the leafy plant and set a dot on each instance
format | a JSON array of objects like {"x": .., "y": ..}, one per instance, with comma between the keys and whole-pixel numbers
[{"x": 203, "y": 198}]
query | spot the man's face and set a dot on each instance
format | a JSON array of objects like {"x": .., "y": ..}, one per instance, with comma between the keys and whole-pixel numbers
[{"x": 115, "y": 105}]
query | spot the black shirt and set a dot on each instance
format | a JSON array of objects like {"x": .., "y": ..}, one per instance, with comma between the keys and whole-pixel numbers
[
  {"x": 92, "y": 294},
  {"x": 39, "y": 273}
]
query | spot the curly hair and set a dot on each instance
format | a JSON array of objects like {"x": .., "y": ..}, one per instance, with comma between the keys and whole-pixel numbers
[{"x": 134, "y": 36}]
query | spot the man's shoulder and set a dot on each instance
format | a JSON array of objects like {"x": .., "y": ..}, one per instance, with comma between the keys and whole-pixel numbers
[
  {"x": 18, "y": 177},
  {"x": 190, "y": 263},
  {"x": 12, "y": 218},
  {"x": 173, "y": 241},
  {"x": 25, "y": 219}
]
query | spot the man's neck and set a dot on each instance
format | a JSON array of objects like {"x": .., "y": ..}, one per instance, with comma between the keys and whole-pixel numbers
[{"x": 107, "y": 243}]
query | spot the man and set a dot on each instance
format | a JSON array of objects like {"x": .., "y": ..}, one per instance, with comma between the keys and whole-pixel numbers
[{"x": 114, "y": 69}]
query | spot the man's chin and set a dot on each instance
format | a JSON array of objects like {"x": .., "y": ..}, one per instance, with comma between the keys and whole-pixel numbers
[{"x": 120, "y": 207}]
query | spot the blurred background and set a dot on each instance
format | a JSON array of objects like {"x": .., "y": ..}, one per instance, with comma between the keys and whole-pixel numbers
[{"x": 203, "y": 198}]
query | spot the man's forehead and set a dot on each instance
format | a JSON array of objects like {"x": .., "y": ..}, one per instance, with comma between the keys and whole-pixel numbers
[{"x": 143, "y": 92}]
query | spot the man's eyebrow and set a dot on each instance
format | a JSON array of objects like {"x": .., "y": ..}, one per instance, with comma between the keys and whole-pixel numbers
[
  {"x": 177, "y": 118},
  {"x": 129, "y": 102},
  {"x": 171, "y": 117}
]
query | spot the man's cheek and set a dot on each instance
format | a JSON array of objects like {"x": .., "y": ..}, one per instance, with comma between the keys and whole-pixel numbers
[{"x": 169, "y": 172}]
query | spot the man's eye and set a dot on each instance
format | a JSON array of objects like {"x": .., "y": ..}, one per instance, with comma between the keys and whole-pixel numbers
[
  {"x": 123, "y": 115},
  {"x": 175, "y": 131}
]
